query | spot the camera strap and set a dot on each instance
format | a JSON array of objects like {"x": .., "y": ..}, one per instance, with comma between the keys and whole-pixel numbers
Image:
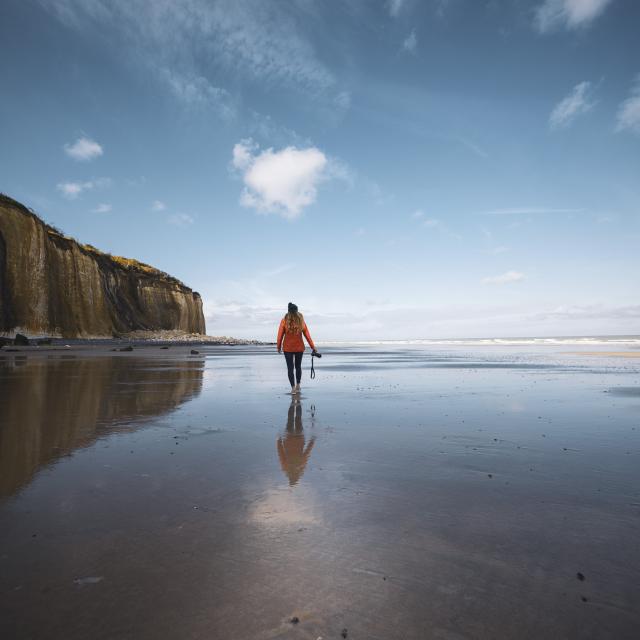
[{"x": 313, "y": 371}]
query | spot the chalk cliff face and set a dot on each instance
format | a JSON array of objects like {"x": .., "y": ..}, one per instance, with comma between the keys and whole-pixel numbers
[{"x": 52, "y": 285}]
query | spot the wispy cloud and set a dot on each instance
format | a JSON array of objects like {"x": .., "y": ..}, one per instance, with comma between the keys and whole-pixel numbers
[
  {"x": 102, "y": 208},
  {"x": 276, "y": 271},
  {"x": 196, "y": 91},
  {"x": 410, "y": 43},
  {"x": 282, "y": 182},
  {"x": 568, "y": 14},
  {"x": 395, "y": 6},
  {"x": 504, "y": 278},
  {"x": 473, "y": 147},
  {"x": 520, "y": 211},
  {"x": 628, "y": 116},
  {"x": 182, "y": 38},
  {"x": 180, "y": 219},
  {"x": 569, "y": 108},
  {"x": 434, "y": 224},
  {"x": 158, "y": 205},
  {"x": 83, "y": 149},
  {"x": 71, "y": 190}
]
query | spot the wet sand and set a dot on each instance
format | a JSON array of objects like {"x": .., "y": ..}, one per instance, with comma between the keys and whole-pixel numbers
[{"x": 409, "y": 493}]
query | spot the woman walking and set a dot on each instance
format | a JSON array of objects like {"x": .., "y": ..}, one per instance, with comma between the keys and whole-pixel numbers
[{"x": 292, "y": 328}]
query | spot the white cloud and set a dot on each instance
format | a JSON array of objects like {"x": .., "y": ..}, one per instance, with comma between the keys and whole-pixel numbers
[
  {"x": 243, "y": 153},
  {"x": 283, "y": 182},
  {"x": 573, "y": 105},
  {"x": 71, "y": 190},
  {"x": 102, "y": 208},
  {"x": 504, "y": 278},
  {"x": 83, "y": 149},
  {"x": 432, "y": 223},
  {"x": 570, "y": 14},
  {"x": 394, "y": 7},
  {"x": 180, "y": 219},
  {"x": 342, "y": 320},
  {"x": 628, "y": 116},
  {"x": 591, "y": 311},
  {"x": 514, "y": 211},
  {"x": 410, "y": 43},
  {"x": 158, "y": 205},
  {"x": 418, "y": 213}
]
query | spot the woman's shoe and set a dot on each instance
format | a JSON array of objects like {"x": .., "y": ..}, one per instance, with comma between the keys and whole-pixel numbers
[{"x": 297, "y": 389}]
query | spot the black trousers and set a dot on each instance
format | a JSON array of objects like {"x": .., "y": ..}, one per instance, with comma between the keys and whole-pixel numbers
[{"x": 290, "y": 356}]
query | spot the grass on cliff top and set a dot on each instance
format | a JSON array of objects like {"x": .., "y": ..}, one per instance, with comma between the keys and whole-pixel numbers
[{"x": 128, "y": 264}]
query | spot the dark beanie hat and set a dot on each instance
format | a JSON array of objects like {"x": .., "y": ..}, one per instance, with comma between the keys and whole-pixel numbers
[{"x": 292, "y": 308}]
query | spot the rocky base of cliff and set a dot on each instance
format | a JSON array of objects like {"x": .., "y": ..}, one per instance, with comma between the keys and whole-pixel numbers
[{"x": 181, "y": 337}]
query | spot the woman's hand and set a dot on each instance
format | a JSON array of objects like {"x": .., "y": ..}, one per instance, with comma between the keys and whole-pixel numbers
[{"x": 279, "y": 350}]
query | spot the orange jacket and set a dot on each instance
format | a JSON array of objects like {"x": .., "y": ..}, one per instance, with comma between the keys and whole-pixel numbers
[{"x": 293, "y": 340}]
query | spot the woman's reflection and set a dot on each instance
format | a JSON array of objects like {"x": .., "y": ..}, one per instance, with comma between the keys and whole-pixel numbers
[{"x": 292, "y": 451}]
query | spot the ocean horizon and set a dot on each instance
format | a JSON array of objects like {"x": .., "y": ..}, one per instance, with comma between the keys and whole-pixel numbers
[{"x": 630, "y": 340}]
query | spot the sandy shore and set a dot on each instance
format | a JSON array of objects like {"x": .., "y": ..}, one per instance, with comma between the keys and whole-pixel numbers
[{"x": 406, "y": 494}]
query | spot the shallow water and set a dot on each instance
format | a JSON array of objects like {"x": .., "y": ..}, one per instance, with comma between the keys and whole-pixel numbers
[{"x": 411, "y": 492}]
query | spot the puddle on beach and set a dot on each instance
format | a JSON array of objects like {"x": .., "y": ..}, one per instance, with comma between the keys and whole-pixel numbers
[{"x": 407, "y": 493}]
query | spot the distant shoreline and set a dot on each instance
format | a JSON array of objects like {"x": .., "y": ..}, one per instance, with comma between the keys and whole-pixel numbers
[{"x": 135, "y": 338}]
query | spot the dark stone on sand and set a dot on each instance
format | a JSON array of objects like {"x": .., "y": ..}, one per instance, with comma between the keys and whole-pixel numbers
[
  {"x": 294, "y": 620},
  {"x": 580, "y": 576},
  {"x": 129, "y": 348},
  {"x": 194, "y": 352},
  {"x": 490, "y": 475},
  {"x": 584, "y": 599},
  {"x": 344, "y": 633},
  {"x": 20, "y": 340},
  {"x": 164, "y": 347}
]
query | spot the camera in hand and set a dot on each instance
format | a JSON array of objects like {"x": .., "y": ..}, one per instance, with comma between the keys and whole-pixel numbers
[{"x": 316, "y": 354}]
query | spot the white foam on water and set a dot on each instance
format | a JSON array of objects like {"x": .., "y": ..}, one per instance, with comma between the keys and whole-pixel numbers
[{"x": 630, "y": 341}]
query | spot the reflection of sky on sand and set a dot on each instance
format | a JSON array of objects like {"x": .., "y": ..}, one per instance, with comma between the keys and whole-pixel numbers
[
  {"x": 285, "y": 507},
  {"x": 295, "y": 505},
  {"x": 433, "y": 502}
]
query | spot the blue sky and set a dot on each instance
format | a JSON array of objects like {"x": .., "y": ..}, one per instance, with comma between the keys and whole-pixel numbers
[{"x": 399, "y": 169}]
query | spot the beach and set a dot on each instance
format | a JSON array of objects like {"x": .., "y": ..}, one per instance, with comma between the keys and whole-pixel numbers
[{"x": 411, "y": 491}]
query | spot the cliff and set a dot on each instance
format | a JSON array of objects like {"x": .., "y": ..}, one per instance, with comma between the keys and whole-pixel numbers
[{"x": 52, "y": 285}]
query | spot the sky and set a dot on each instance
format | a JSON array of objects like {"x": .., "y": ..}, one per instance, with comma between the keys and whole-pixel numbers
[{"x": 400, "y": 169}]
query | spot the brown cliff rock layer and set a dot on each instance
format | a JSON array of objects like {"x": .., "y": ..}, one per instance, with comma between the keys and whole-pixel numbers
[{"x": 50, "y": 284}]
